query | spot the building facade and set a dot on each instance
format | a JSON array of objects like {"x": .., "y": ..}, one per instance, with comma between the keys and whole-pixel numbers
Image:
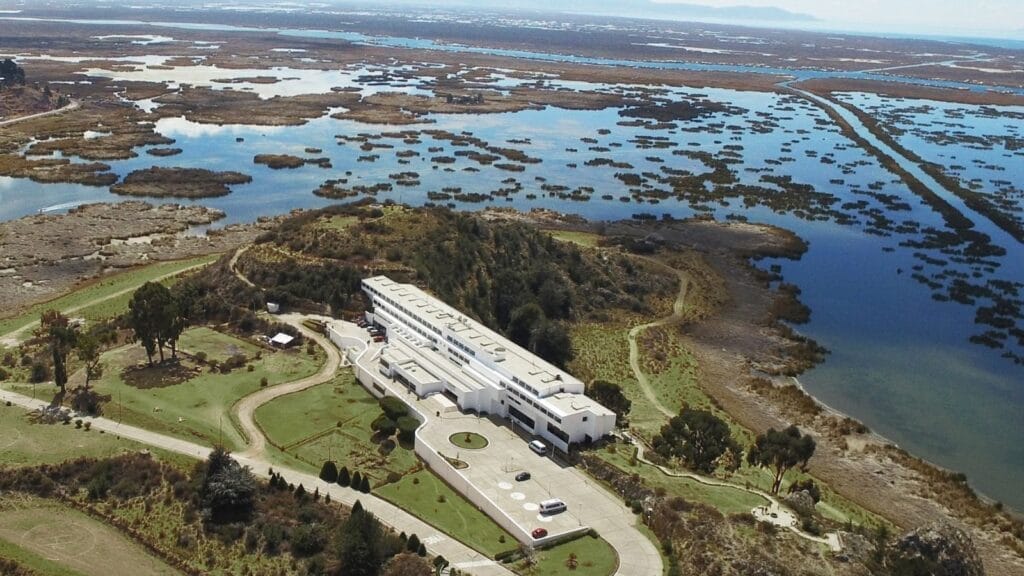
[{"x": 432, "y": 348}]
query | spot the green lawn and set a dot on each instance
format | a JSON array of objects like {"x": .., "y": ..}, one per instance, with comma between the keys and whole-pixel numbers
[
  {"x": 23, "y": 442},
  {"x": 215, "y": 345},
  {"x": 468, "y": 440},
  {"x": 594, "y": 557},
  {"x": 197, "y": 409},
  {"x": 330, "y": 421},
  {"x": 426, "y": 496},
  {"x": 337, "y": 222},
  {"x": 105, "y": 288}
]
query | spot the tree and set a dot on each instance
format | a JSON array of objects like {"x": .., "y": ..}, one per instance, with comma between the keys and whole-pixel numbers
[
  {"x": 11, "y": 74},
  {"x": 329, "y": 472},
  {"x": 227, "y": 489},
  {"x": 523, "y": 321},
  {"x": 407, "y": 426},
  {"x": 407, "y": 564},
  {"x": 146, "y": 312},
  {"x": 413, "y": 543},
  {"x": 551, "y": 342},
  {"x": 781, "y": 451},
  {"x": 357, "y": 479},
  {"x": 89, "y": 349},
  {"x": 360, "y": 546},
  {"x": 697, "y": 437},
  {"x": 60, "y": 337},
  {"x": 344, "y": 479},
  {"x": 610, "y": 395},
  {"x": 364, "y": 485}
]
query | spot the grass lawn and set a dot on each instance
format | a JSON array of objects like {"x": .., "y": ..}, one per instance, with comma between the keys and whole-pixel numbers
[
  {"x": 106, "y": 288},
  {"x": 426, "y": 496},
  {"x": 594, "y": 557},
  {"x": 337, "y": 222},
  {"x": 33, "y": 561},
  {"x": 331, "y": 420},
  {"x": 199, "y": 408},
  {"x": 23, "y": 442},
  {"x": 468, "y": 440},
  {"x": 215, "y": 345},
  {"x": 77, "y": 544},
  {"x": 585, "y": 239}
]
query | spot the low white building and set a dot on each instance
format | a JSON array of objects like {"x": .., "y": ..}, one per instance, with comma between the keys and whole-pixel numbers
[{"x": 433, "y": 348}]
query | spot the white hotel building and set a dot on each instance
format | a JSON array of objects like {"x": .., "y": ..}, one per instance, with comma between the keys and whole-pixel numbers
[{"x": 433, "y": 348}]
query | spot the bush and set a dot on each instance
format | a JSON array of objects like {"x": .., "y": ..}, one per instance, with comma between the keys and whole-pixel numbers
[
  {"x": 264, "y": 382},
  {"x": 344, "y": 479},
  {"x": 393, "y": 407},
  {"x": 200, "y": 356},
  {"x": 40, "y": 373},
  {"x": 384, "y": 425},
  {"x": 329, "y": 472},
  {"x": 307, "y": 540},
  {"x": 407, "y": 426},
  {"x": 357, "y": 479},
  {"x": 364, "y": 485}
]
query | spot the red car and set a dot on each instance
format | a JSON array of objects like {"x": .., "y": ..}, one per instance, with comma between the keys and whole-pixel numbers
[{"x": 538, "y": 533}]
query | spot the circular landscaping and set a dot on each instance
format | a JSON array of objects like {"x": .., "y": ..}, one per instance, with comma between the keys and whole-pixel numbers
[{"x": 468, "y": 440}]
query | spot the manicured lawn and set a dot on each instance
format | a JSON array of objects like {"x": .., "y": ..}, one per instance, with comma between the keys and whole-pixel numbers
[
  {"x": 468, "y": 440},
  {"x": 73, "y": 541},
  {"x": 330, "y": 421},
  {"x": 199, "y": 408},
  {"x": 426, "y": 496},
  {"x": 594, "y": 557},
  {"x": 23, "y": 442},
  {"x": 107, "y": 287}
]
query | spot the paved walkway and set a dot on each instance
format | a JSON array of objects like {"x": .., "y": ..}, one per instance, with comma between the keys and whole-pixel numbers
[{"x": 461, "y": 556}]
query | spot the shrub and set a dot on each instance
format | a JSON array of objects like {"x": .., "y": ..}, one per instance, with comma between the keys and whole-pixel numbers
[
  {"x": 357, "y": 479},
  {"x": 88, "y": 426},
  {"x": 344, "y": 479},
  {"x": 329, "y": 472},
  {"x": 307, "y": 540},
  {"x": 393, "y": 407},
  {"x": 200, "y": 356},
  {"x": 364, "y": 485},
  {"x": 40, "y": 373},
  {"x": 263, "y": 382},
  {"x": 407, "y": 426}
]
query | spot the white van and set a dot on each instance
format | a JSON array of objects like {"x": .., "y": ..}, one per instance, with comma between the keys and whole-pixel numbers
[
  {"x": 538, "y": 447},
  {"x": 553, "y": 506}
]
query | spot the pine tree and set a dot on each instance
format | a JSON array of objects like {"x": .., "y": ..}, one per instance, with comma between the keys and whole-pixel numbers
[
  {"x": 357, "y": 480},
  {"x": 344, "y": 479},
  {"x": 364, "y": 485},
  {"x": 413, "y": 543}
]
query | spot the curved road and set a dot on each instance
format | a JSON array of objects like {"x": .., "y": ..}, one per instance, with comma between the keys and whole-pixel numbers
[
  {"x": 71, "y": 106},
  {"x": 245, "y": 408}
]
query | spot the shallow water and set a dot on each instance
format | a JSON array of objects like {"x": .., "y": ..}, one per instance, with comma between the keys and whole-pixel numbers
[{"x": 901, "y": 360}]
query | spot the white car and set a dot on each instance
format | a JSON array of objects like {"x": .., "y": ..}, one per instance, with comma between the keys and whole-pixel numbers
[{"x": 539, "y": 447}]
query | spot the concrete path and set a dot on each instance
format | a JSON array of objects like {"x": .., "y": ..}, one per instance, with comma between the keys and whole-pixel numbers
[{"x": 461, "y": 556}]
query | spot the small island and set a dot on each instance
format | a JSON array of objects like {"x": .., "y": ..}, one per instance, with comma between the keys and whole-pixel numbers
[{"x": 159, "y": 182}]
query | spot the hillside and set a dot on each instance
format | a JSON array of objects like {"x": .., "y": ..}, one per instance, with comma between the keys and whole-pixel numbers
[
  {"x": 25, "y": 100},
  {"x": 508, "y": 275}
]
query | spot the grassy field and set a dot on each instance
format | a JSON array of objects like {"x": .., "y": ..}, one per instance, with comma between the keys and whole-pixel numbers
[
  {"x": 215, "y": 345},
  {"x": 337, "y": 222},
  {"x": 331, "y": 420},
  {"x": 23, "y": 442},
  {"x": 585, "y": 239},
  {"x": 426, "y": 496},
  {"x": 105, "y": 289},
  {"x": 726, "y": 500},
  {"x": 32, "y": 561},
  {"x": 594, "y": 557},
  {"x": 42, "y": 533},
  {"x": 199, "y": 408}
]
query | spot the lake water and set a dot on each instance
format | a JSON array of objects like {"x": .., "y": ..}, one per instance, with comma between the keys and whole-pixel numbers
[{"x": 900, "y": 361}]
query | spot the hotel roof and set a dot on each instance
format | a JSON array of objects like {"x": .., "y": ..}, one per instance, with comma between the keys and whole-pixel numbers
[{"x": 537, "y": 375}]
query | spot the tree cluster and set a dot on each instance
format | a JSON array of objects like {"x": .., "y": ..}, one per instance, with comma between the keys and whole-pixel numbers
[
  {"x": 698, "y": 438},
  {"x": 60, "y": 337},
  {"x": 227, "y": 490},
  {"x": 610, "y": 395},
  {"x": 157, "y": 318},
  {"x": 11, "y": 74},
  {"x": 781, "y": 450}
]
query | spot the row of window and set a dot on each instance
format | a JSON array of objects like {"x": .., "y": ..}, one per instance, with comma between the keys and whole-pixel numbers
[{"x": 530, "y": 401}]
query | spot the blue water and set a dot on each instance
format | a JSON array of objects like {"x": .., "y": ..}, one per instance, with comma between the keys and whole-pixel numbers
[{"x": 900, "y": 359}]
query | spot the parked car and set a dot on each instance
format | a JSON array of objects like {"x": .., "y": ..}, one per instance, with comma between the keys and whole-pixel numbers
[
  {"x": 539, "y": 447},
  {"x": 538, "y": 533},
  {"x": 378, "y": 338},
  {"x": 553, "y": 506},
  {"x": 522, "y": 477}
]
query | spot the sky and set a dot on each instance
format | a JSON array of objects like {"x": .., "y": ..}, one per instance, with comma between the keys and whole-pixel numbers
[{"x": 952, "y": 17}]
